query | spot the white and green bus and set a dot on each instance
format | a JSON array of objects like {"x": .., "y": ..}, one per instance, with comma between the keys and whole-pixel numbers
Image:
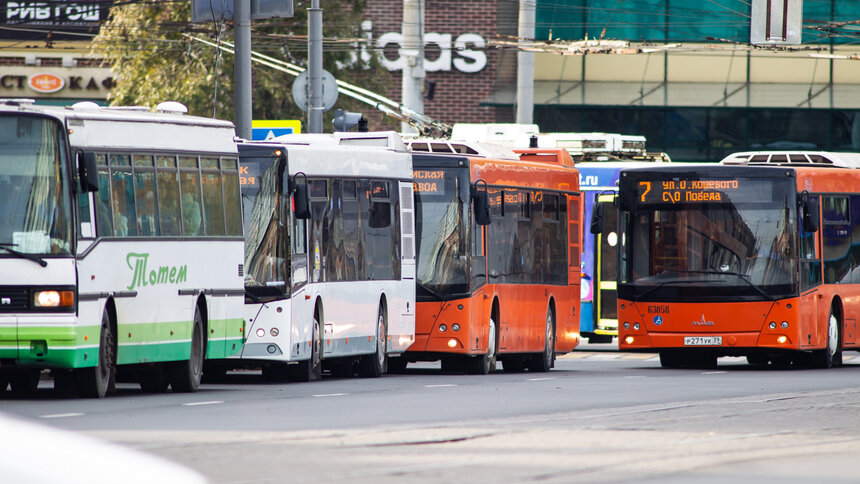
[{"x": 121, "y": 246}]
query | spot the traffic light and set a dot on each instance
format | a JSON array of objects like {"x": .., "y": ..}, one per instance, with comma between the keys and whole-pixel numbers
[{"x": 345, "y": 120}]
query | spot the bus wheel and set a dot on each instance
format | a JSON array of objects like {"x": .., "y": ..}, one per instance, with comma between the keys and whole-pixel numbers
[
  {"x": 831, "y": 355},
  {"x": 95, "y": 381},
  {"x": 310, "y": 369},
  {"x": 486, "y": 363},
  {"x": 396, "y": 364},
  {"x": 544, "y": 361},
  {"x": 153, "y": 379},
  {"x": 374, "y": 365},
  {"x": 25, "y": 382},
  {"x": 185, "y": 375},
  {"x": 671, "y": 359}
]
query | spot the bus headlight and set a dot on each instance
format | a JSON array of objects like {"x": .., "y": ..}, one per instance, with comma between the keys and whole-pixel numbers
[
  {"x": 629, "y": 340},
  {"x": 772, "y": 325},
  {"x": 443, "y": 328},
  {"x": 626, "y": 325},
  {"x": 636, "y": 326},
  {"x": 53, "y": 299},
  {"x": 784, "y": 325},
  {"x": 274, "y": 331},
  {"x": 261, "y": 332},
  {"x": 455, "y": 327},
  {"x": 452, "y": 343}
]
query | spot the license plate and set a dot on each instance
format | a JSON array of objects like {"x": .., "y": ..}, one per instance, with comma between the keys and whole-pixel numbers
[{"x": 703, "y": 341}]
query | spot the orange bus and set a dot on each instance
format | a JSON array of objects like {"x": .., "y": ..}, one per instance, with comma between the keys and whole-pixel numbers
[
  {"x": 498, "y": 244},
  {"x": 757, "y": 256}
]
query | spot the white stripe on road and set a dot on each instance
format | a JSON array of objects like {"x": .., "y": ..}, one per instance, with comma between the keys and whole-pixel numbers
[
  {"x": 194, "y": 404},
  {"x": 62, "y": 415},
  {"x": 330, "y": 395},
  {"x": 439, "y": 386},
  {"x": 541, "y": 379},
  {"x": 713, "y": 372}
]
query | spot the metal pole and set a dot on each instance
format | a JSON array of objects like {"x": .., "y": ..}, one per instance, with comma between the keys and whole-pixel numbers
[
  {"x": 526, "y": 65},
  {"x": 413, "y": 51},
  {"x": 315, "y": 59},
  {"x": 242, "y": 65}
]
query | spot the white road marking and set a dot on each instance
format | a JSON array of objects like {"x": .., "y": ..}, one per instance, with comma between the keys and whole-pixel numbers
[
  {"x": 713, "y": 372},
  {"x": 62, "y": 415},
  {"x": 439, "y": 386},
  {"x": 541, "y": 379},
  {"x": 330, "y": 395},
  {"x": 194, "y": 404}
]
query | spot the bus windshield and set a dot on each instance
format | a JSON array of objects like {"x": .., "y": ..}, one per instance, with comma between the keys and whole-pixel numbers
[
  {"x": 698, "y": 239},
  {"x": 265, "y": 221},
  {"x": 441, "y": 207},
  {"x": 35, "y": 209}
]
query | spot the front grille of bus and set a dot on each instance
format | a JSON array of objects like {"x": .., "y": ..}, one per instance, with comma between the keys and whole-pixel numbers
[{"x": 14, "y": 300}]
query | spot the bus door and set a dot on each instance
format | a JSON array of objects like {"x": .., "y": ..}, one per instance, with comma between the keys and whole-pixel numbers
[
  {"x": 810, "y": 282},
  {"x": 300, "y": 310},
  {"x": 605, "y": 270},
  {"x": 478, "y": 279},
  {"x": 574, "y": 239}
]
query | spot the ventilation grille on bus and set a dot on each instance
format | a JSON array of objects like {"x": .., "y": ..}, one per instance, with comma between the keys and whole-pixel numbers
[
  {"x": 12, "y": 300},
  {"x": 241, "y": 270}
]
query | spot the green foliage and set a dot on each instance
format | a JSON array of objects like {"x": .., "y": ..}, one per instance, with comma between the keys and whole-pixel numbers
[{"x": 155, "y": 61}]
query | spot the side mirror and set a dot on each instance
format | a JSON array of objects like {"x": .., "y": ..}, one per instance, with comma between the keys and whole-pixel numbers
[
  {"x": 482, "y": 207},
  {"x": 810, "y": 215},
  {"x": 301, "y": 200},
  {"x": 87, "y": 172},
  {"x": 596, "y": 218}
]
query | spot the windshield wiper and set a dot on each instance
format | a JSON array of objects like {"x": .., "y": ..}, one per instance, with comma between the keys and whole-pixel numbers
[
  {"x": 430, "y": 291},
  {"x": 743, "y": 277},
  {"x": 33, "y": 257}
]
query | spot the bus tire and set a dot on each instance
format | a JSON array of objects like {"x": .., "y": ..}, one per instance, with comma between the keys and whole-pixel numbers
[
  {"x": 543, "y": 362},
  {"x": 94, "y": 382},
  {"x": 831, "y": 355},
  {"x": 375, "y": 364},
  {"x": 671, "y": 359},
  {"x": 310, "y": 369},
  {"x": 153, "y": 379},
  {"x": 486, "y": 363},
  {"x": 185, "y": 376},
  {"x": 25, "y": 382}
]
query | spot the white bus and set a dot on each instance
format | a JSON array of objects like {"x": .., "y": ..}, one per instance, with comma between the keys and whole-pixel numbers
[
  {"x": 120, "y": 246},
  {"x": 329, "y": 254}
]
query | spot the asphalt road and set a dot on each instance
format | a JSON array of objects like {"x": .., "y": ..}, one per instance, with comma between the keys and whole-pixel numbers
[{"x": 597, "y": 417}]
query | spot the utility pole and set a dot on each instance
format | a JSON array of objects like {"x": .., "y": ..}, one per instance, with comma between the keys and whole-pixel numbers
[
  {"x": 315, "y": 60},
  {"x": 242, "y": 66},
  {"x": 412, "y": 85},
  {"x": 526, "y": 64}
]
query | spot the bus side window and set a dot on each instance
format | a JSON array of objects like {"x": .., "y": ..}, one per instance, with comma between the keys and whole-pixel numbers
[
  {"x": 213, "y": 198},
  {"x": 189, "y": 185},
  {"x": 122, "y": 188},
  {"x": 168, "y": 195},
  {"x": 144, "y": 194},
  {"x": 232, "y": 199},
  {"x": 104, "y": 212}
]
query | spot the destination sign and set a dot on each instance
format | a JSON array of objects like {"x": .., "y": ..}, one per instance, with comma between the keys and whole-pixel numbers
[
  {"x": 245, "y": 178},
  {"x": 689, "y": 191},
  {"x": 429, "y": 181}
]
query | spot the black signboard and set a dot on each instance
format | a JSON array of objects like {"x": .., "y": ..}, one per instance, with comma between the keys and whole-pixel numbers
[{"x": 52, "y": 19}]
